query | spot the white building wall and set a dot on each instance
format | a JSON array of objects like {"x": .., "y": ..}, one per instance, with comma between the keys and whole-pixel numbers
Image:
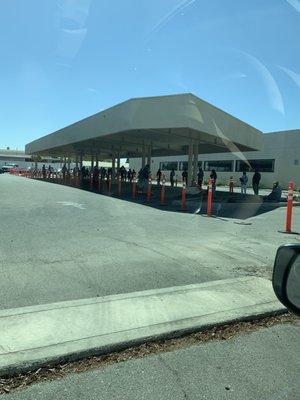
[{"x": 283, "y": 147}]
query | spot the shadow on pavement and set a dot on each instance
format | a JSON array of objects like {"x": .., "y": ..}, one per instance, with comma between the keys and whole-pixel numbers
[{"x": 225, "y": 205}]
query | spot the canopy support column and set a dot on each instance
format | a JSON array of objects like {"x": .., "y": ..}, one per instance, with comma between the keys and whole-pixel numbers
[
  {"x": 118, "y": 163},
  {"x": 195, "y": 162},
  {"x": 190, "y": 164},
  {"x": 143, "y": 157},
  {"x": 149, "y": 155},
  {"x": 113, "y": 166}
]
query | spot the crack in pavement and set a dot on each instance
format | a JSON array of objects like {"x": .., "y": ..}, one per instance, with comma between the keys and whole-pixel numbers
[{"x": 175, "y": 375}]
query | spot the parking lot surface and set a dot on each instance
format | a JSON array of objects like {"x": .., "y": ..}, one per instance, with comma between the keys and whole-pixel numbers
[{"x": 59, "y": 243}]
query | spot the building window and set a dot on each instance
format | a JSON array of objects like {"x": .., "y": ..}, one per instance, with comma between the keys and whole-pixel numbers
[
  {"x": 296, "y": 162},
  {"x": 184, "y": 165},
  {"x": 221, "y": 166},
  {"x": 168, "y": 166},
  {"x": 260, "y": 165}
]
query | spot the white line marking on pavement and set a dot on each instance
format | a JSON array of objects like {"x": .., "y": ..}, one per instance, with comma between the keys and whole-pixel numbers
[{"x": 71, "y": 204}]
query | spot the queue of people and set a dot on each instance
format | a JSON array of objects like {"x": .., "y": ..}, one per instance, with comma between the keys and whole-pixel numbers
[
  {"x": 144, "y": 174},
  {"x": 256, "y": 178},
  {"x": 200, "y": 176},
  {"x": 275, "y": 194}
]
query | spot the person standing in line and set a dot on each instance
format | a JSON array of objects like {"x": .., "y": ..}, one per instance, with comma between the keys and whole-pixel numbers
[
  {"x": 214, "y": 178},
  {"x": 133, "y": 175},
  {"x": 140, "y": 176},
  {"x": 147, "y": 173},
  {"x": 172, "y": 175},
  {"x": 101, "y": 173},
  {"x": 95, "y": 176},
  {"x": 123, "y": 173},
  {"x": 200, "y": 176},
  {"x": 118, "y": 173},
  {"x": 129, "y": 175},
  {"x": 64, "y": 171},
  {"x": 231, "y": 184},
  {"x": 184, "y": 176},
  {"x": 44, "y": 171},
  {"x": 158, "y": 176},
  {"x": 255, "y": 181},
  {"x": 83, "y": 174},
  {"x": 244, "y": 181},
  {"x": 75, "y": 171}
]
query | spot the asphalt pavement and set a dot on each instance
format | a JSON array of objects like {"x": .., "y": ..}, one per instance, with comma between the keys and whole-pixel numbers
[
  {"x": 60, "y": 243},
  {"x": 262, "y": 365}
]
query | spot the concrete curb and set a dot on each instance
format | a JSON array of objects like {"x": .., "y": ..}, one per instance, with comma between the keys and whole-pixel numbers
[{"x": 37, "y": 336}]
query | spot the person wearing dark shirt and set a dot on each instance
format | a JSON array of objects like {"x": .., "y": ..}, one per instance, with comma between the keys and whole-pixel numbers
[
  {"x": 44, "y": 171},
  {"x": 158, "y": 176},
  {"x": 275, "y": 195},
  {"x": 200, "y": 176},
  {"x": 184, "y": 176},
  {"x": 129, "y": 175},
  {"x": 95, "y": 176},
  {"x": 64, "y": 171},
  {"x": 133, "y": 174},
  {"x": 255, "y": 182},
  {"x": 172, "y": 175},
  {"x": 214, "y": 177}
]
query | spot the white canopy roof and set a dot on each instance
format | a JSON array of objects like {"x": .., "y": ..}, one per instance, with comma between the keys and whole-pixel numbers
[{"x": 166, "y": 123}]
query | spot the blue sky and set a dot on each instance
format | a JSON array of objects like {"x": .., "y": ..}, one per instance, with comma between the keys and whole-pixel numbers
[{"x": 64, "y": 60}]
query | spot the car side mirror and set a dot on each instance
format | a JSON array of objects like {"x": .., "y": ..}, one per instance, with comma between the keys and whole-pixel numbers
[{"x": 286, "y": 276}]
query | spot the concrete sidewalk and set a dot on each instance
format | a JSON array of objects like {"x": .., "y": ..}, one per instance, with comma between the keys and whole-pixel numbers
[{"x": 38, "y": 335}]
